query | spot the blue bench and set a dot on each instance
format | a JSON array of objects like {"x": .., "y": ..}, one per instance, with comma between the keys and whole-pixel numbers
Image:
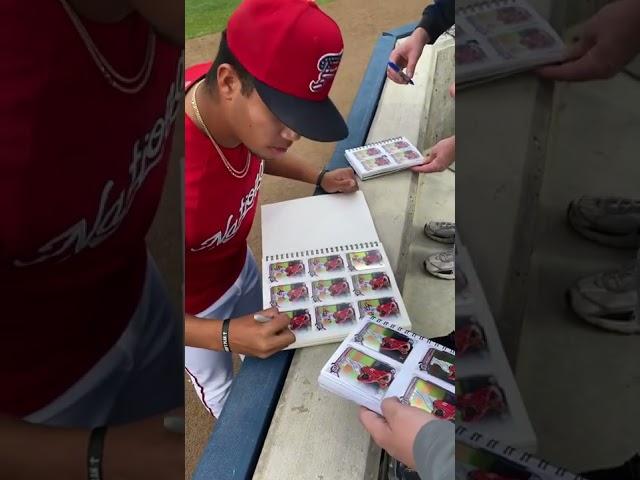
[{"x": 234, "y": 447}]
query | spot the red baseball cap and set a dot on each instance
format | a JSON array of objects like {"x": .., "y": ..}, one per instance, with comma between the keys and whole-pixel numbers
[{"x": 292, "y": 49}]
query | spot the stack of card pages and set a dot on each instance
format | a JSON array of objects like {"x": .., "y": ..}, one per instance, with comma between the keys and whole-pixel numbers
[
  {"x": 486, "y": 388},
  {"x": 379, "y": 360},
  {"x": 495, "y": 38},
  {"x": 381, "y": 158},
  {"x": 480, "y": 457},
  {"x": 325, "y": 267}
]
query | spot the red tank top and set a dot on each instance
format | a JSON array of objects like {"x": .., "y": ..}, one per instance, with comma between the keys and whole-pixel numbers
[
  {"x": 219, "y": 212},
  {"x": 81, "y": 174}
]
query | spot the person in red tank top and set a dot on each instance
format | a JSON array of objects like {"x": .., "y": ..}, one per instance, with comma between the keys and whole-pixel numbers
[
  {"x": 89, "y": 93},
  {"x": 267, "y": 87}
]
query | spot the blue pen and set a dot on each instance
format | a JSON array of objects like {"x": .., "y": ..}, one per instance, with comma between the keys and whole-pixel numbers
[{"x": 396, "y": 68}]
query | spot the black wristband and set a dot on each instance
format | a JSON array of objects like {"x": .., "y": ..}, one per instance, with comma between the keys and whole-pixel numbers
[
  {"x": 225, "y": 335},
  {"x": 320, "y": 177},
  {"x": 94, "y": 453}
]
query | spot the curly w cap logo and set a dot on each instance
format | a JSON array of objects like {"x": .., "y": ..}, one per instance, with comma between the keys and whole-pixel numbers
[{"x": 327, "y": 68}]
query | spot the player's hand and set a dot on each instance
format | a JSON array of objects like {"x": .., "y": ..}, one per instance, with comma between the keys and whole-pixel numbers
[
  {"x": 144, "y": 450},
  {"x": 396, "y": 429},
  {"x": 339, "y": 180},
  {"x": 442, "y": 155},
  {"x": 452, "y": 90},
  {"x": 407, "y": 54},
  {"x": 609, "y": 40},
  {"x": 257, "y": 339}
]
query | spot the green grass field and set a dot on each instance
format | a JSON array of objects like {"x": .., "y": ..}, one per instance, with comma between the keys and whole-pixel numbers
[{"x": 209, "y": 16}]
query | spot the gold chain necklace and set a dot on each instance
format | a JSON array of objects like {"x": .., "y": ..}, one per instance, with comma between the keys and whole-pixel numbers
[
  {"x": 129, "y": 85},
  {"x": 236, "y": 173}
]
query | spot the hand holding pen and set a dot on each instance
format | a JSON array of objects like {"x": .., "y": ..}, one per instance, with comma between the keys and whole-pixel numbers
[
  {"x": 399, "y": 71},
  {"x": 403, "y": 59},
  {"x": 259, "y": 334}
]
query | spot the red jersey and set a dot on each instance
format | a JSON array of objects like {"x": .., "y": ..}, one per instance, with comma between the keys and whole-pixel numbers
[
  {"x": 82, "y": 167},
  {"x": 219, "y": 212}
]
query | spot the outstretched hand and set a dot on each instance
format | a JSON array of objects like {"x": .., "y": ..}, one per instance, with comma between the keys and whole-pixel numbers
[
  {"x": 407, "y": 54},
  {"x": 441, "y": 156},
  {"x": 608, "y": 42}
]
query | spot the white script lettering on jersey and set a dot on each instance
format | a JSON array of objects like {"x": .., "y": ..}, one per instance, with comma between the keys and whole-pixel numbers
[
  {"x": 113, "y": 207},
  {"x": 233, "y": 223}
]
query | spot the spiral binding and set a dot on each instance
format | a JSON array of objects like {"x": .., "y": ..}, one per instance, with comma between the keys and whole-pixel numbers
[
  {"x": 409, "y": 333},
  {"x": 321, "y": 251},
  {"x": 514, "y": 454},
  {"x": 376, "y": 144},
  {"x": 404, "y": 331},
  {"x": 483, "y": 5}
]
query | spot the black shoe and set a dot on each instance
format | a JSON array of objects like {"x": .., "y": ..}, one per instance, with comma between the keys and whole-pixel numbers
[{"x": 629, "y": 470}]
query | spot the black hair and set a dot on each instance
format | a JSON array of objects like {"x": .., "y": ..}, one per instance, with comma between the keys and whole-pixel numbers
[{"x": 226, "y": 56}]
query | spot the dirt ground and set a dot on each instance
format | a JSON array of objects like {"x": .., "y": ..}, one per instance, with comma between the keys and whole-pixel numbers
[{"x": 361, "y": 22}]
